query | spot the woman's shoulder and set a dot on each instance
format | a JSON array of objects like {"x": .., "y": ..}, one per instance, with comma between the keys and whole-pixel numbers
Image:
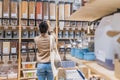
[{"x": 36, "y": 38}]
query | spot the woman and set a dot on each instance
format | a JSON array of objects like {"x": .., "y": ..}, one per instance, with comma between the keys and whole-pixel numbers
[{"x": 44, "y": 70}]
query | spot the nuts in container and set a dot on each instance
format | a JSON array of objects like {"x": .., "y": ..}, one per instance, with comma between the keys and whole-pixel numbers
[
  {"x": 29, "y": 74},
  {"x": 31, "y": 45},
  {"x": 8, "y": 33},
  {"x": 14, "y": 47}
]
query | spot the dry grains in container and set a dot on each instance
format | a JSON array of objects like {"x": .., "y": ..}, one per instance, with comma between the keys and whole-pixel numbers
[
  {"x": 14, "y": 9},
  {"x": 32, "y": 9},
  {"x": 39, "y": 9},
  {"x": 6, "y": 8},
  {"x": 24, "y": 9},
  {"x": 46, "y": 8},
  {"x": 6, "y": 47},
  {"x": 67, "y": 10},
  {"x": 14, "y": 47},
  {"x": 1, "y": 8},
  {"x": 52, "y": 10},
  {"x": 61, "y": 11}
]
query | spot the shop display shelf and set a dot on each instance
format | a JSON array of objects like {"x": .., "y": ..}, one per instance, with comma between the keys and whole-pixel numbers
[
  {"x": 8, "y": 38},
  {"x": 29, "y": 69},
  {"x": 27, "y": 38},
  {"x": 105, "y": 73},
  {"x": 65, "y": 38},
  {"x": 23, "y": 78}
]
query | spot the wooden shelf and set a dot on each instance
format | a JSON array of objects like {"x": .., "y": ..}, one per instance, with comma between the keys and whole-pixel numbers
[
  {"x": 65, "y": 38},
  {"x": 94, "y": 67},
  {"x": 79, "y": 61},
  {"x": 8, "y": 38},
  {"x": 29, "y": 69},
  {"x": 105, "y": 73},
  {"x": 5, "y": 78},
  {"x": 28, "y": 78},
  {"x": 27, "y": 38},
  {"x": 10, "y": 54}
]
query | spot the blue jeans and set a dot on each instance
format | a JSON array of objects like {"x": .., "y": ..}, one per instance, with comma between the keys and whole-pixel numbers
[{"x": 44, "y": 71}]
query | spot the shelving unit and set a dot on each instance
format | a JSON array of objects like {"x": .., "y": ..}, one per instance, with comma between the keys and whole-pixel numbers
[
  {"x": 9, "y": 52},
  {"x": 26, "y": 26},
  {"x": 29, "y": 69},
  {"x": 23, "y": 78},
  {"x": 9, "y": 39},
  {"x": 16, "y": 23},
  {"x": 105, "y": 73}
]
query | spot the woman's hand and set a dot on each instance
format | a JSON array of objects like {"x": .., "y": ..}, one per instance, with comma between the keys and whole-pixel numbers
[
  {"x": 48, "y": 22},
  {"x": 49, "y": 27}
]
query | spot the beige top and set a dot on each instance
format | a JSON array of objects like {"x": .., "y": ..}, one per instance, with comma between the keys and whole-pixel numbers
[{"x": 43, "y": 45}]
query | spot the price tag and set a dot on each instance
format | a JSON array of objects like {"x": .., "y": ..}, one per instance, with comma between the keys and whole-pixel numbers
[
  {"x": 61, "y": 24},
  {"x": 6, "y": 27},
  {"x": 24, "y": 15},
  {"x": 14, "y": 15},
  {"x": 52, "y": 17},
  {"x": 101, "y": 55},
  {"x": 45, "y": 17},
  {"x": 13, "y": 27},
  {"x": 32, "y": 16},
  {"x": 67, "y": 28},
  {"x": 39, "y": 16},
  {"x": 13, "y": 50},
  {"x": 73, "y": 28},
  {"x": 23, "y": 47},
  {"x": 5, "y": 50},
  {"x": 6, "y": 15},
  {"x": 79, "y": 28},
  {"x": 31, "y": 27}
]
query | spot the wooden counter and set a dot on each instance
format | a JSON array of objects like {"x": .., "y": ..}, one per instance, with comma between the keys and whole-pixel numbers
[
  {"x": 94, "y": 67},
  {"x": 79, "y": 61},
  {"x": 5, "y": 78},
  {"x": 105, "y": 73}
]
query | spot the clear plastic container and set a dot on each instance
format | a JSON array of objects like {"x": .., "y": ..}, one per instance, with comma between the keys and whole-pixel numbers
[
  {"x": 30, "y": 65},
  {"x": 30, "y": 73}
]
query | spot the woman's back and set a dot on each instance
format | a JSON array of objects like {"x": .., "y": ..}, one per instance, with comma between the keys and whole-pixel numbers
[{"x": 43, "y": 45}]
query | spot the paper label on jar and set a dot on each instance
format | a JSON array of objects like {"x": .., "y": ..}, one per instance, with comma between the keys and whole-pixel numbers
[
  {"x": 14, "y": 27},
  {"x": 5, "y": 50},
  {"x": 73, "y": 28},
  {"x": 39, "y": 16},
  {"x": 101, "y": 55},
  {"x": 45, "y": 17},
  {"x": 14, "y": 15},
  {"x": 5, "y": 27},
  {"x": 32, "y": 16},
  {"x": 13, "y": 50},
  {"x": 67, "y": 28},
  {"x": 52, "y": 17},
  {"x": 6, "y": 15},
  {"x": 24, "y": 15},
  {"x": 23, "y": 47}
]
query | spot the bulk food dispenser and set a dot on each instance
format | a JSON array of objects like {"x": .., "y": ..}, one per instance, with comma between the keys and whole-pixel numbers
[{"x": 106, "y": 44}]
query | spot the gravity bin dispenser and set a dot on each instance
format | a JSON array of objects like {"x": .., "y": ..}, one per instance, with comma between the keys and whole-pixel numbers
[{"x": 106, "y": 40}]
